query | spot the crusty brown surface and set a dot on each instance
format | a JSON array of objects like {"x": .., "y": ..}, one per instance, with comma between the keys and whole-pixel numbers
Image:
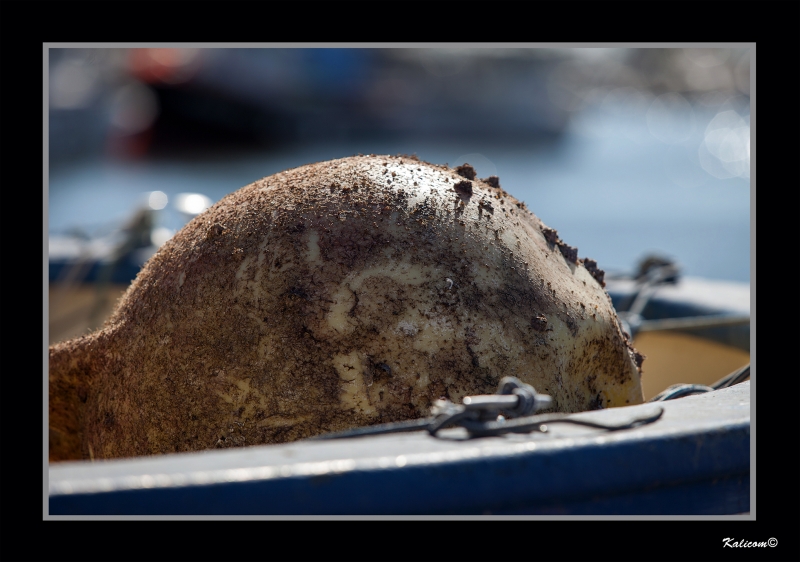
[{"x": 334, "y": 295}]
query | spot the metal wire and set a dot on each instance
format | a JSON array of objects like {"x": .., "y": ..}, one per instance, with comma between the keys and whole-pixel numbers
[
  {"x": 540, "y": 423},
  {"x": 681, "y": 390},
  {"x": 692, "y": 322},
  {"x": 507, "y": 411},
  {"x": 735, "y": 377},
  {"x": 396, "y": 427}
]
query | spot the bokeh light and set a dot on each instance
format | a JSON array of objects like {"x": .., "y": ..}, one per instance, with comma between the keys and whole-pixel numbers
[
  {"x": 192, "y": 203},
  {"x": 725, "y": 151},
  {"x": 157, "y": 200},
  {"x": 168, "y": 66},
  {"x": 134, "y": 108},
  {"x": 73, "y": 83},
  {"x": 670, "y": 118}
]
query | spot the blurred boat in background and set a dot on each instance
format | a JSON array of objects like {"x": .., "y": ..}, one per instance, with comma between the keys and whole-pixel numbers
[{"x": 133, "y": 102}]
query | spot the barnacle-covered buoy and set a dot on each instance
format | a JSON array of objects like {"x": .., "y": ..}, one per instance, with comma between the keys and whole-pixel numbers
[{"x": 335, "y": 295}]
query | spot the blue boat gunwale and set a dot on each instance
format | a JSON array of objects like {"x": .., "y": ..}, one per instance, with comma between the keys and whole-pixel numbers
[{"x": 694, "y": 460}]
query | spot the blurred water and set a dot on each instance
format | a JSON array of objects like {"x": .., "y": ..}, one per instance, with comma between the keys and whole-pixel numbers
[{"x": 620, "y": 184}]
